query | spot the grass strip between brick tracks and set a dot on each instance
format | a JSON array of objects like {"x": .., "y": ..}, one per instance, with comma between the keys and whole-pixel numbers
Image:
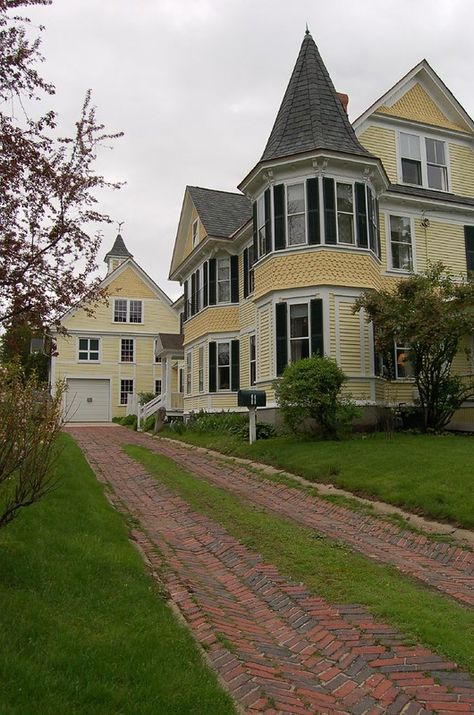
[
  {"x": 326, "y": 567},
  {"x": 85, "y": 629},
  {"x": 426, "y": 474}
]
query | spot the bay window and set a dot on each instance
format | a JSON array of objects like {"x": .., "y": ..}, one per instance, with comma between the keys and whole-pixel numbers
[
  {"x": 345, "y": 213},
  {"x": 298, "y": 332},
  {"x": 296, "y": 215},
  {"x": 223, "y": 366},
  {"x": 223, "y": 280}
]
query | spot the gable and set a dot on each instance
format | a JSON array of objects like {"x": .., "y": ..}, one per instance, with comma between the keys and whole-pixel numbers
[
  {"x": 130, "y": 285},
  {"x": 416, "y": 105}
]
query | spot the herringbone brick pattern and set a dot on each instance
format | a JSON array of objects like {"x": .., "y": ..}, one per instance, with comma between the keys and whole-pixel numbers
[{"x": 278, "y": 648}]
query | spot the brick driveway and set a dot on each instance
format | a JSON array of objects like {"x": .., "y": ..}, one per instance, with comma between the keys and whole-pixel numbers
[{"x": 277, "y": 647}]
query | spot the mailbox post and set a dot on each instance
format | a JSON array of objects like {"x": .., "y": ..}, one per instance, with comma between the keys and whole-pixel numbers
[{"x": 252, "y": 399}]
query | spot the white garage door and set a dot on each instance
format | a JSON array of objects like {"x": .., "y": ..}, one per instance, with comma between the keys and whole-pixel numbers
[{"x": 87, "y": 400}]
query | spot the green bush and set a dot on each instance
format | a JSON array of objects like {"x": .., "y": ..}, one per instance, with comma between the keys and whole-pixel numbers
[
  {"x": 264, "y": 430},
  {"x": 178, "y": 426},
  {"x": 309, "y": 396},
  {"x": 149, "y": 424},
  {"x": 129, "y": 421},
  {"x": 230, "y": 422},
  {"x": 144, "y": 397}
]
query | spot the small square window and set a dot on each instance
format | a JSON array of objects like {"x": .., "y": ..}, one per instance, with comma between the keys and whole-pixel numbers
[{"x": 88, "y": 349}]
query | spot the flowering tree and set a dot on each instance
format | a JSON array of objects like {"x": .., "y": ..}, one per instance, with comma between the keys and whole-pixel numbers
[
  {"x": 431, "y": 312},
  {"x": 48, "y": 188}
]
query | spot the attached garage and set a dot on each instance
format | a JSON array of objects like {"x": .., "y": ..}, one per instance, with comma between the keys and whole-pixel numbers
[{"x": 87, "y": 400}]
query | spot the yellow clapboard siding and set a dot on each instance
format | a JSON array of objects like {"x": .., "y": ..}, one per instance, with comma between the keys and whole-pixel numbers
[
  {"x": 216, "y": 319},
  {"x": 462, "y": 170},
  {"x": 358, "y": 390},
  {"x": 382, "y": 143},
  {"x": 223, "y": 401},
  {"x": 418, "y": 106},
  {"x": 349, "y": 337},
  {"x": 244, "y": 361},
  {"x": 264, "y": 343},
  {"x": 440, "y": 242},
  {"x": 319, "y": 267},
  {"x": 247, "y": 314}
]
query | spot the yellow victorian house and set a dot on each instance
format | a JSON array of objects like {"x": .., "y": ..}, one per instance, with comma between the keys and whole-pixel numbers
[
  {"x": 108, "y": 358},
  {"x": 271, "y": 274}
]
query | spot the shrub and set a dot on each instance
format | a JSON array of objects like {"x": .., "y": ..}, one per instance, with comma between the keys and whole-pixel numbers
[
  {"x": 264, "y": 430},
  {"x": 149, "y": 424},
  {"x": 309, "y": 396},
  {"x": 230, "y": 422},
  {"x": 144, "y": 397},
  {"x": 178, "y": 426},
  {"x": 129, "y": 421}
]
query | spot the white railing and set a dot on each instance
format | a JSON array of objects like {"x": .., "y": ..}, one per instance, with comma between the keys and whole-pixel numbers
[{"x": 149, "y": 408}]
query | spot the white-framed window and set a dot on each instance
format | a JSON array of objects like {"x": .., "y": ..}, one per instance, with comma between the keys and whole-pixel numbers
[
  {"x": 223, "y": 365},
  {"x": 157, "y": 387},
  {"x": 298, "y": 331},
  {"x": 261, "y": 225},
  {"x": 296, "y": 214},
  {"x": 128, "y": 311},
  {"x": 223, "y": 279},
  {"x": 403, "y": 364},
  {"x": 423, "y": 161},
  {"x": 181, "y": 379},
  {"x": 126, "y": 388},
  {"x": 157, "y": 358},
  {"x": 195, "y": 232},
  {"x": 188, "y": 372},
  {"x": 88, "y": 349},
  {"x": 201, "y": 369},
  {"x": 401, "y": 243},
  {"x": 345, "y": 212},
  {"x": 127, "y": 350},
  {"x": 252, "y": 360}
]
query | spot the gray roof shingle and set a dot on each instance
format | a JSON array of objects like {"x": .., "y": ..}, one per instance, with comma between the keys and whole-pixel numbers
[
  {"x": 119, "y": 249},
  {"x": 443, "y": 196},
  {"x": 221, "y": 212},
  {"x": 311, "y": 115}
]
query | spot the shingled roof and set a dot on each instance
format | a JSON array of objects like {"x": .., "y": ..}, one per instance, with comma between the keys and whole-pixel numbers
[
  {"x": 311, "y": 115},
  {"x": 432, "y": 194},
  {"x": 118, "y": 250},
  {"x": 221, "y": 212}
]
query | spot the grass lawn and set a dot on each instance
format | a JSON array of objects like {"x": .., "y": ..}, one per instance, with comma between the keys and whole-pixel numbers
[
  {"x": 431, "y": 475},
  {"x": 329, "y": 569},
  {"x": 84, "y": 628}
]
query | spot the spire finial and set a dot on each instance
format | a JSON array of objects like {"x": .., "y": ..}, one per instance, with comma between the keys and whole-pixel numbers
[
  {"x": 119, "y": 225},
  {"x": 307, "y": 30}
]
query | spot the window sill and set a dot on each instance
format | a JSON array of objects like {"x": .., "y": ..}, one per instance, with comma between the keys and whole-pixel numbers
[
  {"x": 422, "y": 186},
  {"x": 88, "y": 362},
  {"x": 400, "y": 271}
]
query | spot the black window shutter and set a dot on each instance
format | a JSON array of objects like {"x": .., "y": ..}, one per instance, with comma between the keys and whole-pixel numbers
[
  {"x": 317, "y": 330},
  {"x": 330, "y": 235},
  {"x": 469, "y": 242},
  {"x": 361, "y": 215},
  {"x": 204, "y": 285},
  {"x": 185, "y": 311},
  {"x": 234, "y": 279},
  {"x": 255, "y": 231},
  {"x": 371, "y": 205},
  {"x": 246, "y": 271},
  {"x": 235, "y": 365},
  {"x": 212, "y": 281},
  {"x": 279, "y": 217},
  {"x": 212, "y": 366},
  {"x": 193, "y": 294},
  {"x": 197, "y": 301},
  {"x": 312, "y": 200},
  {"x": 281, "y": 336},
  {"x": 268, "y": 221}
]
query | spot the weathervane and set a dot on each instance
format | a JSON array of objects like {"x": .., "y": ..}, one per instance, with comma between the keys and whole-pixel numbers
[{"x": 120, "y": 224}]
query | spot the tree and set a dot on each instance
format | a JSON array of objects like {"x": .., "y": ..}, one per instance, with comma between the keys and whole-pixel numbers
[
  {"x": 48, "y": 189},
  {"x": 431, "y": 312},
  {"x": 309, "y": 390}
]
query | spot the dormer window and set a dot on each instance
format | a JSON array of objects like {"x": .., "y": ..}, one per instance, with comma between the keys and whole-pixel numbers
[
  {"x": 423, "y": 161},
  {"x": 195, "y": 232}
]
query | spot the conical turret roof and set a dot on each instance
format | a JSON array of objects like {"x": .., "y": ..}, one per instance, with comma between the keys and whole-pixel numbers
[
  {"x": 311, "y": 115},
  {"x": 118, "y": 250}
]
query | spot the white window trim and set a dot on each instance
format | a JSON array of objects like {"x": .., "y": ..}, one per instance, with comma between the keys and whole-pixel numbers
[
  {"x": 424, "y": 162},
  {"x": 129, "y": 379},
  {"x": 127, "y": 362},
  {"x": 289, "y": 303},
  {"x": 224, "y": 302},
  {"x": 158, "y": 379},
  {"x": 88, "y": 361},
  {"x": 229, "y": 343},
  {"x": 127, "y": 322},
  {"x": 388, "y": 241},
  {"x": 188, "y": 382},
  {"x": 201, "y": 368},
  {"x": 346, "y": 213},
  {"x": 195, "y": 236},
  {"x": 295, "y": 182}
]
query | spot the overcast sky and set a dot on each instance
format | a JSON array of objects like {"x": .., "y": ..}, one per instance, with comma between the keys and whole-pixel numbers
[{"x": 195, "y": 85}]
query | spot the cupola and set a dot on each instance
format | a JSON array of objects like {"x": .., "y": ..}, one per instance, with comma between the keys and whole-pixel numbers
[{"x": 117, "y": 254}]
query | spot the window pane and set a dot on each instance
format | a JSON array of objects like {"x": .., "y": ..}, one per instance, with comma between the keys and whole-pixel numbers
[
  {"x": 135, "y": 311},
  {"x": 223, "y": 354},
  {"x": 344, "y": 197},
  {"x": 295, "y": 198},
  {"x": 404, "y": 364},
  {"x": 223, "y": 295},
  {"x": 158, "y": 387},
  {"x": 83, "y": 343},
  {"x": 224, "y": 378},
  {"x": 410, "y": 146},
  {"x": 260, "y": 212},
  {"x": 299, "y": 349},
  {"x": 435, "y": 151},
  {"x": 400, "y": 229},
  {"x": 437, "y": 178},
  {"x": 345, "y": 224},
  {"x": 83, "y": 356},
  {"x": 411, "y": 171},
  {"x": 223, "y": 266},
  {"x": 252, "y": 347},
  {"x": 401, "y": 256},
  {"x": 296, "y": 233},
  {"x": 120, "y": 311},
  {"x": 93, "y": 344},
  {"x": 299, "y": 321}
]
